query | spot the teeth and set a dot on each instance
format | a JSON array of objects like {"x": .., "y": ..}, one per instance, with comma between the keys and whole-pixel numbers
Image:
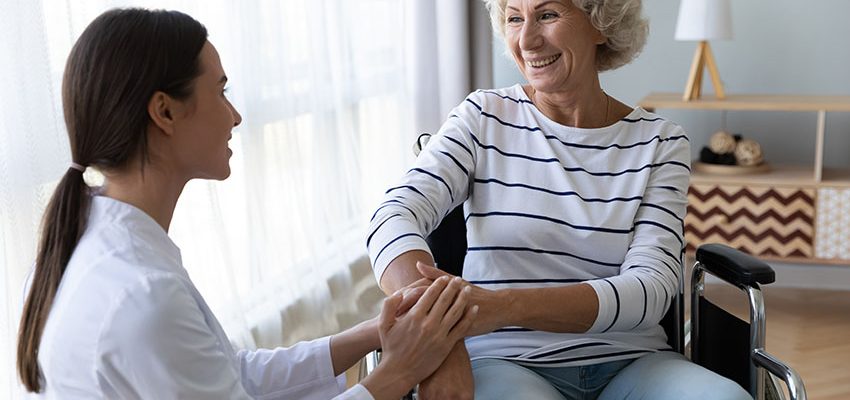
[{"x": 542, "y": 63}]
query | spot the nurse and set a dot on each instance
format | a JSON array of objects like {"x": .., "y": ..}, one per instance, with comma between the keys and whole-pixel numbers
[{"x": 111, "y": 312}]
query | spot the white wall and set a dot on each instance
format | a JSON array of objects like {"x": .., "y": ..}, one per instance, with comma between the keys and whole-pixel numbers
[{"x": 779, "y": 46}]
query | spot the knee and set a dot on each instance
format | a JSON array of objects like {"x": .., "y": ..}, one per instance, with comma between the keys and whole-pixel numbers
[
  {"x": 715, "y": 387},
  {"x": 721, "y": 388}
]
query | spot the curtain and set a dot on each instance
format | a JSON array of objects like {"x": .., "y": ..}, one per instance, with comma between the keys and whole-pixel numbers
[{"x": 332, "y": 93}]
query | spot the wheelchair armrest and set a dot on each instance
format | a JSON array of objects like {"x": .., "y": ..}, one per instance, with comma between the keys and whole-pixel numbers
[
  {"x": 734, "y": 266},
  {"x": 792, "y": 380}
]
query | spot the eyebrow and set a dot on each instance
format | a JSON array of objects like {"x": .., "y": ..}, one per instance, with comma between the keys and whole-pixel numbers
[{"x": 537, "y": 6}]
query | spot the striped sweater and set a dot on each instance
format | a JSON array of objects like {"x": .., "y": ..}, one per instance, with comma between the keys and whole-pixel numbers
[{"x": 548, "y": 205}]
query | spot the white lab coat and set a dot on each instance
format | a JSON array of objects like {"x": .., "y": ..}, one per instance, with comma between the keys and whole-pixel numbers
[{"x": 128, "y": 323}]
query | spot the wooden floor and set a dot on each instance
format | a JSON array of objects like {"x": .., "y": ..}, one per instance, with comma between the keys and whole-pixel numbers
[{"x": 808, "y": 329}]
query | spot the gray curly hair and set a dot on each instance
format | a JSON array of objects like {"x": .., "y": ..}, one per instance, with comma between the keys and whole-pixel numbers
[{"x": 620, "y": 21}]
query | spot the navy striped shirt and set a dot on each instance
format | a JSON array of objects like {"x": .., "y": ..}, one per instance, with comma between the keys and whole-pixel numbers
[{"x": 549, "y": 205}]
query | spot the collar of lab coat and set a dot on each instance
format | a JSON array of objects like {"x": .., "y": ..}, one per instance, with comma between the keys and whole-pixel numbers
[{"x": 108, "y": 213}]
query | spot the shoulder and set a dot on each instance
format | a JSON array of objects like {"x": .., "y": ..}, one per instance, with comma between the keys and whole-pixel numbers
[
  {"x": 506, "y": 97},
  {"x": 489, "y": 100},
  {"x": 147, "y": 308},
  {"x": 654, "y": 123}
]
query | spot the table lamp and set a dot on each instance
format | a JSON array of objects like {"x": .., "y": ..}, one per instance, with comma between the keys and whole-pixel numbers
[{"x": 703, "y": 20}]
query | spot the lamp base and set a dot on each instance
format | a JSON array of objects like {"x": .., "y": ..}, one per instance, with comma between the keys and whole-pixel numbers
[{"x": 702, "y": 58}]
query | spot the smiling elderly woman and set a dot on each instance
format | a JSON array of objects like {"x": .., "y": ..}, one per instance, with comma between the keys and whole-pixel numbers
[{"x": 574, "y": 205}]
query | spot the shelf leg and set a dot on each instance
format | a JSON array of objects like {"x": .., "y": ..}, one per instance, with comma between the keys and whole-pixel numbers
[{"x": 819, "y": 146}]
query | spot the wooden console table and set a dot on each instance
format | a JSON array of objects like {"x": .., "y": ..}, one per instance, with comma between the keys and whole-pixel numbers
[{"x": 792, "y": 213}]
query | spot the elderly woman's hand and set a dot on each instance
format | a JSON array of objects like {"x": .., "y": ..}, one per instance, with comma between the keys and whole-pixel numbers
[
  {"x": 411, "y": 293},
  {"x": 493, "y": 304}
]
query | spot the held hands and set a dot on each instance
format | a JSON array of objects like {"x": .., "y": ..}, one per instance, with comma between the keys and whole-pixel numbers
[
  {"x": 494, "y": 305},
  {"x": 453, "y": 379},
  {"x": 416, "y": 338}
]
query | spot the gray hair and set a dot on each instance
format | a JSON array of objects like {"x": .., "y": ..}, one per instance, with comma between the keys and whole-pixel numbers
[{"x": 620, "y": 21}]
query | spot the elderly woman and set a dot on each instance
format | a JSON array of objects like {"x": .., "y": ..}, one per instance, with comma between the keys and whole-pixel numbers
[{"x": 574, "y": 206}]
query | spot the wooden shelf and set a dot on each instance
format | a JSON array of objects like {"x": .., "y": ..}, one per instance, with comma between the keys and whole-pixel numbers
[
  {"x": 780, "y": 175},
  {"x": 789, "y": 213},
  {"x": 748, "y": 102}
]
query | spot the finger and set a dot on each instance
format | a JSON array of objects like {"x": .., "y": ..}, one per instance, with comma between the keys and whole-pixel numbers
[
  {"x": 418, "y": 283},
  {"x": 429, "y": 271},
  {"x": 431, "y": 295},
  {"x": 409, "y": 298},
  {"x": 460, "y": 330},
  {"x": 388, "y": 312},
  {"x": 447, "y": 298},
  {"x": 457, "y": 309}
]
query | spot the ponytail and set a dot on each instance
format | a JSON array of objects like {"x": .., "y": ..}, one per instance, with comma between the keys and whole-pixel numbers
[{"x": 63, "y": 224}]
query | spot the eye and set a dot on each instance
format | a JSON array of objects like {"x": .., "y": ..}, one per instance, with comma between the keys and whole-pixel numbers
[
  {"x": 512, "y": 20},
  {"x": 548, "y": 15}
]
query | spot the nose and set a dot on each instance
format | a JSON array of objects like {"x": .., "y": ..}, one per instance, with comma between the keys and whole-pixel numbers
[
  {"x": 237, "y": 118},
  {"x": 529, "y": 36}
]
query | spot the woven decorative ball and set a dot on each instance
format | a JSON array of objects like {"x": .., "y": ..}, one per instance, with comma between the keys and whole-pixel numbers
[
  {"x": 748, "y": 153},
  {"x": 722, "y": 142}
]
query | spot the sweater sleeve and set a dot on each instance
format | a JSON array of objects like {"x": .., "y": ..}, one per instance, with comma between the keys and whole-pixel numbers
[
  {"x": 640, "y": 294},
  {"x": 439, "y": 181}
]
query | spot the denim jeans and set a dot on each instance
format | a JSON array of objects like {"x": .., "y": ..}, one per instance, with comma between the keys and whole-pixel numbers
[{"x": 661, "y": 376}]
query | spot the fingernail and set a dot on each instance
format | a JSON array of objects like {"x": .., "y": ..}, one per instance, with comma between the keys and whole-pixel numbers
[
  {"x": 457, "y": 278},
  {"x": 475, "y": 309},
  {"x": 467, "y": 289}
]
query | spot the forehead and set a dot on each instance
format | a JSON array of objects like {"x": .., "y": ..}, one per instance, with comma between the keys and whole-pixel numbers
[
  {"x": 532, "y": 4},
  {"x": 210, "y": 62}
]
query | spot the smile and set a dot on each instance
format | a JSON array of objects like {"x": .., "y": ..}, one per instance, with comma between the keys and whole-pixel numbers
[{"x": 544, "y": 62}]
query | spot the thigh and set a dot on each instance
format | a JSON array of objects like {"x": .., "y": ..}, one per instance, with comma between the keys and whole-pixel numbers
[
  {"x": 500, "y": 379},
  {"x": 669, "y": 375}
]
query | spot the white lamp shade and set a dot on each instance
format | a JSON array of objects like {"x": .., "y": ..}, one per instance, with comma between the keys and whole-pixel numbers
[{"x": 704, "y": 20}]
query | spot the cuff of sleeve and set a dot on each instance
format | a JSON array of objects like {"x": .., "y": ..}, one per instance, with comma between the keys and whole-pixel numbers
[
  {"x": 357, "y": 392},
  {"x": 605, "y": 315},
  {"x": 341, "y": 382},
  {"x": 397, "y": 249},
  {"x": 324, "y": 364}
]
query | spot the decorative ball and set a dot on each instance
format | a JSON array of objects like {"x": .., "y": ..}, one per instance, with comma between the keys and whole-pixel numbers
[
  {"x": 709, "y": 157},
  {"x": 722, "y": 142},
  {"x": 748, "y": 153}
]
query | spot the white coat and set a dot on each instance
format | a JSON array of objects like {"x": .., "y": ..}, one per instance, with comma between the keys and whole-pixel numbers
[{"x": 128, "y": 323}]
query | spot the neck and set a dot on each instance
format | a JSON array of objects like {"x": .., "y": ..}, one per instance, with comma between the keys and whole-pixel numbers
[
  {"x": 587, "y": 107},
  {"x": 155, "y": 191}
]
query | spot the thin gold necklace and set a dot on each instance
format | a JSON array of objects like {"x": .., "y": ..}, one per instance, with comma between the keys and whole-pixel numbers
[{"x": 607, "y": 104}]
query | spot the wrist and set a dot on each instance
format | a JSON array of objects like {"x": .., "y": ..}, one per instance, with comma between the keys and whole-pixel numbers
[
  {"x": 512, "y": 314},
  {"x": 371, "y": 334},
  {"x": 388, "y": 382}
]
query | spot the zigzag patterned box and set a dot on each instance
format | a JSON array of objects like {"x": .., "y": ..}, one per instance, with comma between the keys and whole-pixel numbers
[{"x": 765, "y": 221}]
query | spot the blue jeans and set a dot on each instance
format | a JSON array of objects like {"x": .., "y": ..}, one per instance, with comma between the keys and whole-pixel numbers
[{"x": 662, "y": 375}]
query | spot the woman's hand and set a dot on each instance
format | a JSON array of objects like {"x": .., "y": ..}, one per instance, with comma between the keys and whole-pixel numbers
[
  {"x": 411, "y": 293},
  {"x": 494, "y": 305},
  {"x": 417, "y": 341}
]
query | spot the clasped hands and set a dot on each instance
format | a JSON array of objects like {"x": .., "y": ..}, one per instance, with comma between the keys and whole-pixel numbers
[{"x": 488, "y": 301}]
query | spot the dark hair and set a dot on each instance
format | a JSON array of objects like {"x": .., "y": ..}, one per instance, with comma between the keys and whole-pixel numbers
[{"x": 122, "y": 58}]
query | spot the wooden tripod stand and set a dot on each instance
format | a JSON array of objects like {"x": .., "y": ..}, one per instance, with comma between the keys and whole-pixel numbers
[{"x": 702, "y": 58}]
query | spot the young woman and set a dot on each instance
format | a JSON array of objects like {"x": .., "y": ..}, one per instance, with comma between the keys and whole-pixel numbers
[{"x": 111, "y": 313}]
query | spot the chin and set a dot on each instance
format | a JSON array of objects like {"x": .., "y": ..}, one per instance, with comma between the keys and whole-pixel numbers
[{"x": 223, "y": 175}]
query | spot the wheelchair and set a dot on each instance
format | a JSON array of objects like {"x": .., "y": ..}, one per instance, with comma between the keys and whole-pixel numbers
[{"x": 717, "y": 339}]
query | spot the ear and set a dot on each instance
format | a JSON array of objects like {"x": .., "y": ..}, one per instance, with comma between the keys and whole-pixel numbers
[
  {"x": 161, "y": 109},
  {"x": 600, "y": 38}
]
